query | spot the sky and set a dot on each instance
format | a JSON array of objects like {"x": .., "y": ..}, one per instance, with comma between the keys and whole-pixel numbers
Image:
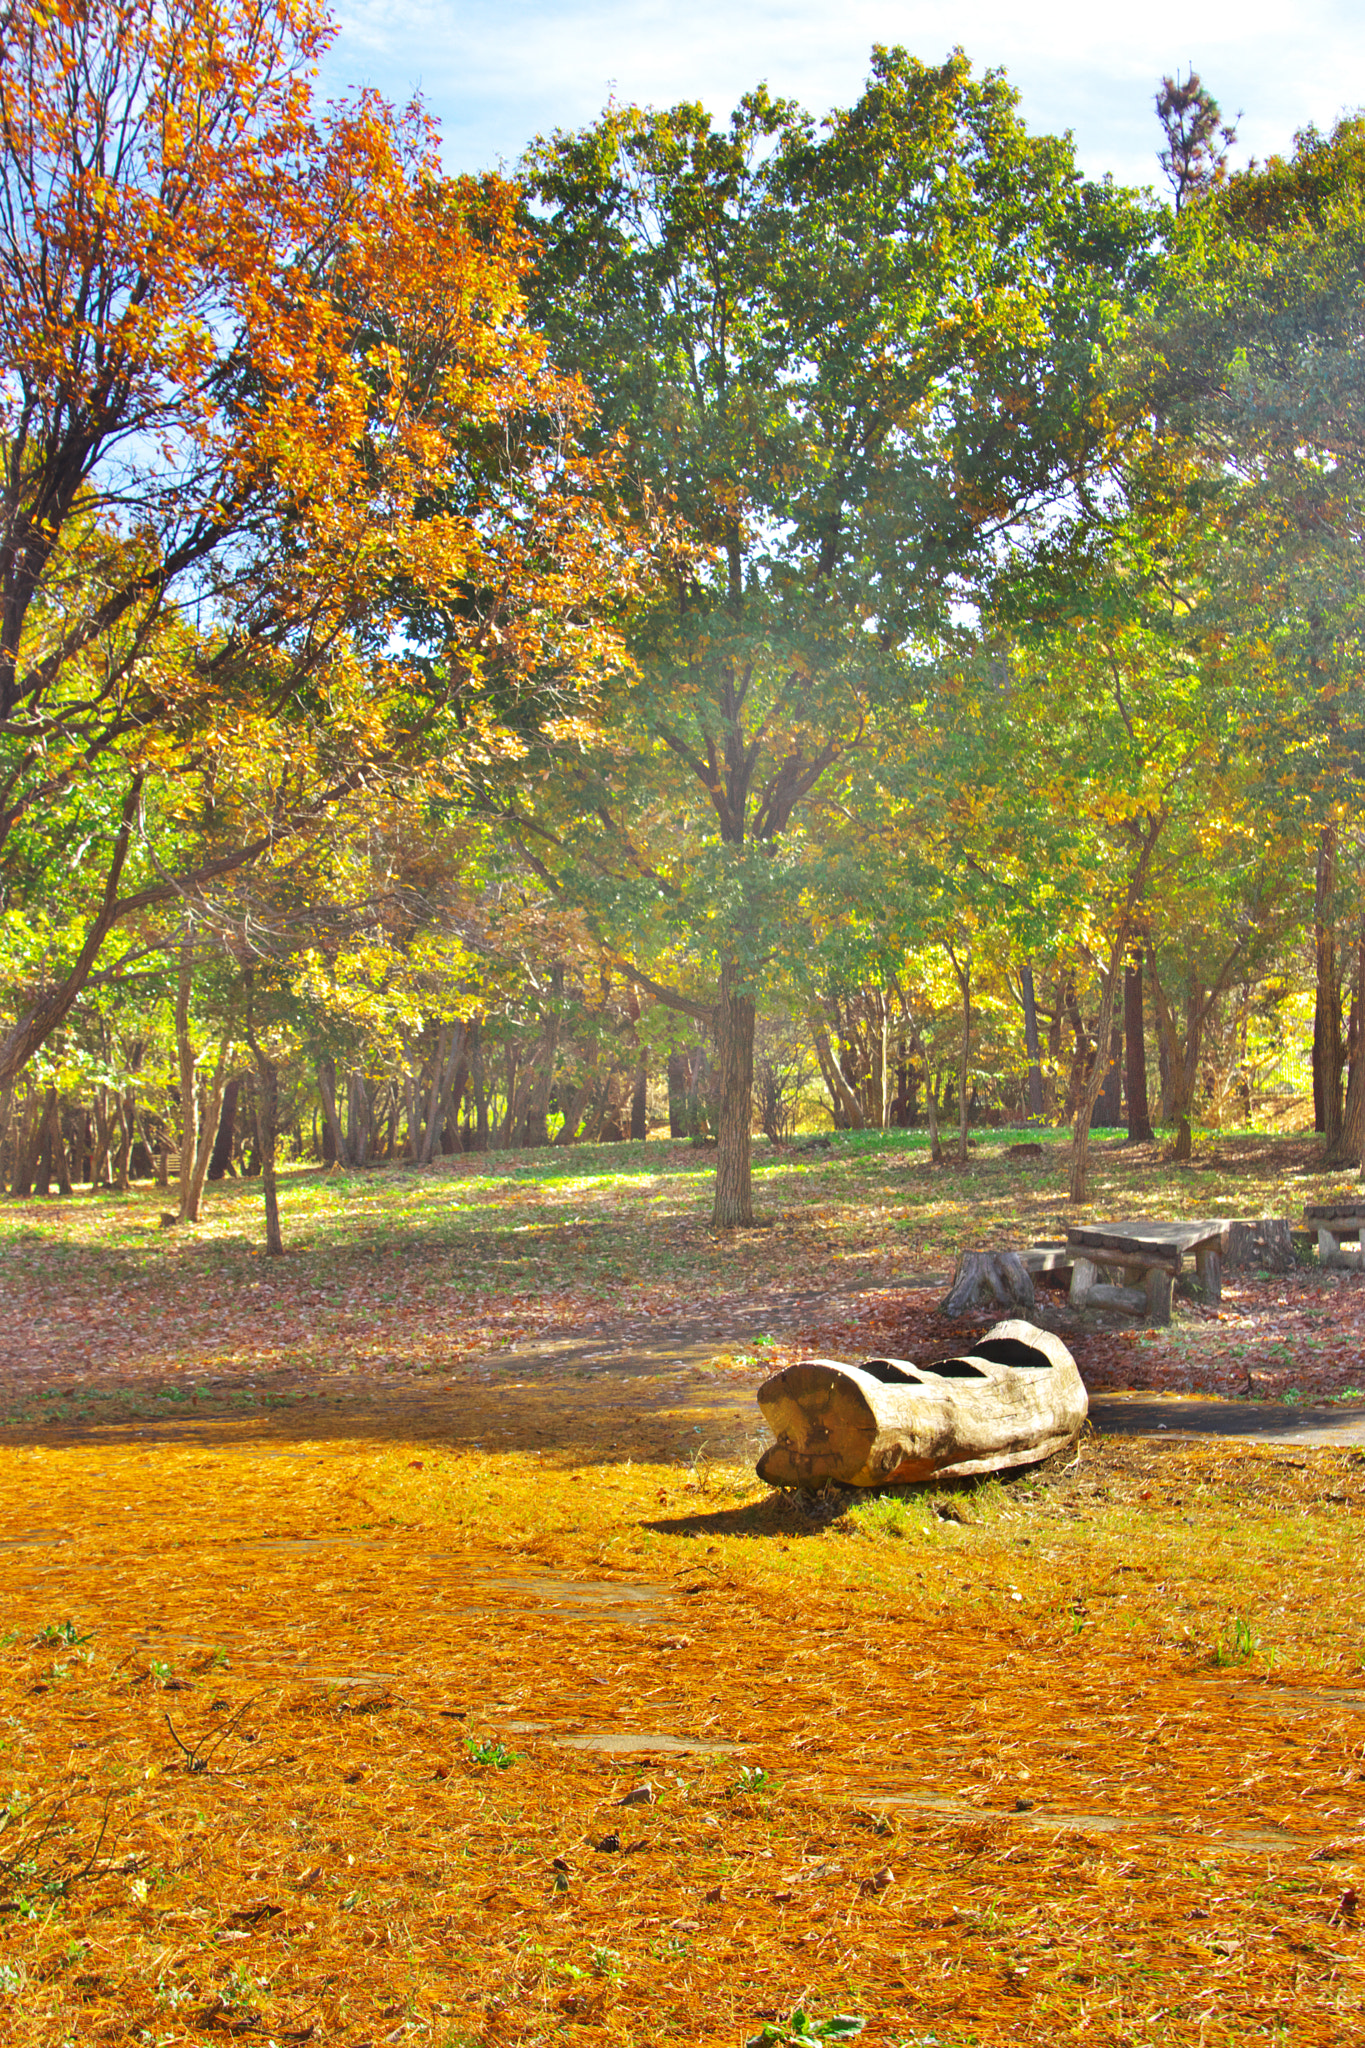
[{"x": 497, "y": 72}]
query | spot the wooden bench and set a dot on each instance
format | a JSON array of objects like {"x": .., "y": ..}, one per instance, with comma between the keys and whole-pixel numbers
[
  {"x": 1049, "y": 1261},
  {"x": 1150, "y": 1256},
  {"x": 1337, "y": 1223}
]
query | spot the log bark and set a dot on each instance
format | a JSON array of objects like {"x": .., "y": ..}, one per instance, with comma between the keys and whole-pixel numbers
[
  {"x": 1015, "y": 1399},
  {"x": 989, "y": 1280}
]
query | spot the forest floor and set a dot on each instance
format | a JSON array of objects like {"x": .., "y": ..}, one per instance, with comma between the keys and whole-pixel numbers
[{"x": 346, "y": 1596}]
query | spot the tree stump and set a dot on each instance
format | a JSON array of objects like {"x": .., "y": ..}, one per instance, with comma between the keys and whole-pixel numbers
[
  {"x": 1260, "y": 1242},
  {"x": 989, "y": 1280}
]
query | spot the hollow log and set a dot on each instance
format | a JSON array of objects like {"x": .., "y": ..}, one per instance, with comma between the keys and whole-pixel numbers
[
  {"x": 1014, "y": 1399},
  {"x": 989, "y": 1280}
]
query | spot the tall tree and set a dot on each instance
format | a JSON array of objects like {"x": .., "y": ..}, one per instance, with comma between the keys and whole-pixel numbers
[
  {"x": 261, "y": 370},
  {"x": 1198, "y": 139},
  {"x": 845, "y": 361}
]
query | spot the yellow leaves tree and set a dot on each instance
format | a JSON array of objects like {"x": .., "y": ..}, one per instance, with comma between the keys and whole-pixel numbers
[{"x": 267, "y": 393}]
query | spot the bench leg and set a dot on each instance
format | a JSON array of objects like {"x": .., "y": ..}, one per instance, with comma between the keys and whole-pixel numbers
[
  {"x": 1083, "y": 1278},
  {"x": 1208, "y": 1264},
  {"x": 1158, "y": 1285}
]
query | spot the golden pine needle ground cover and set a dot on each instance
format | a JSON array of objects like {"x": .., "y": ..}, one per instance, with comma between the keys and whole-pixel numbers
[{"x": 355, "y": 1701}]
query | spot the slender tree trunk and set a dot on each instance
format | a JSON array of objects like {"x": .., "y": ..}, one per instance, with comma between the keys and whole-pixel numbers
[
  {"x": 735, "y": 1065},
  {"x": 359, "y": 1119},
  {"x": 1109, "y": 1102},
  {"x": 677, "y": 1095},
  {"x": 434, "y": 1094},
  {"x": 576, "y": 1108},
  {"x": 1135, "y": 1076},
  {"x": 1080, "y": 1140},
  {"x": 267, "y": 1118},
  {"x": 27, "y": 1145},
  {"x": 99, "y": 1164},
  {"x": 220, "y": 1161},
  {"x": 1035, "y": 1070},
  {"x": 206, "y": 1147},
  {"x": 186, "y": 1060},
  {"x": 326, "y": 1077},
  {"x": 478, "y": 1085},
  {"x": 60, "y": 1164},
  {"x": 42, "y": 1179},
  {"x": 845, "y": 1099},
  {"x": 963, "y": 971},
  {"x": 1350, "y": 1147},
  {"x": 1329, "y": 1052},
  {"x": 639, "y": 1102},
  {"x": 128, "y": 1114}
]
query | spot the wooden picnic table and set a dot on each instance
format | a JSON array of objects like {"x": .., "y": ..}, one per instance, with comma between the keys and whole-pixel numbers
[
  {"x": 1151, "y": 1255},
  {"x": 1336, "y": 1223}
]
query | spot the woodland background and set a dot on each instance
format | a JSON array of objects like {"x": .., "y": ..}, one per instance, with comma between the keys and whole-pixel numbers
[{"x": 739, "y": 621}]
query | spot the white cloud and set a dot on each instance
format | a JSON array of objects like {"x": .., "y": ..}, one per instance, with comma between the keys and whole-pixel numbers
[{"x": 496, "y": 74}]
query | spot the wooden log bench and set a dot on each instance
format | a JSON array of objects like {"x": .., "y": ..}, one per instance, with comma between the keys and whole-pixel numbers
[
  {"x": 1337, "y": 1224},
  {"x": 1148, "y": 1257},
  {"x": 1050, "y": 1261}
]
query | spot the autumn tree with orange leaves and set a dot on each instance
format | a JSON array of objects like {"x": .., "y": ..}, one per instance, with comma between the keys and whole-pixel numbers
[{"x": 267, "y": 391}]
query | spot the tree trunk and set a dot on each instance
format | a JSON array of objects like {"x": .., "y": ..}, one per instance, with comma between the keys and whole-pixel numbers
[
  {"x": 1035, "y": 1070},
  {"x": 207, "y": 1146},
  {"x": 267, "y": 1118},
  {"x": 677, "y": 1095},
  {"x": 1109, "y": 1102},
  {"x": 1329, "y": 1052},
  {"x": 538, "y": 1099},
  {"x": 99, "y": 1164},
  {"x": 28, "y": 1145},
  {"x": 359, "y": 1120},
  {"x": 57, "y": 1143},
  {"x": 478, "y": 1083},
  {"x": 963, "y": 972},
  {"x": 1350, "y": 1147},
  {"x": 428, "y": 1142},
  {"x": 845, "y": 1101},
  {"x": 221, "y": 1158},
  {"x": 326, "y": 1077},
  {"x": 639, "y": 1103},
  {"x": 735, "y": 1068},
  {"x": 575, "y": 1109},
  {"x": 128, "y": 1115},
  {"x": 186, "y": 1061},
  {"x": 1135, "y": 1075},
  {"x": 1080, "y": 1137}
]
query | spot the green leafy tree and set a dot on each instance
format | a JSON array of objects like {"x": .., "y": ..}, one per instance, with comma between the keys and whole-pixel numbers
[{"x": 841, "y": 363}]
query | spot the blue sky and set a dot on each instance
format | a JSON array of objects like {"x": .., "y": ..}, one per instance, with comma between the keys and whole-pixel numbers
[{"x": 495, "y": 74}]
